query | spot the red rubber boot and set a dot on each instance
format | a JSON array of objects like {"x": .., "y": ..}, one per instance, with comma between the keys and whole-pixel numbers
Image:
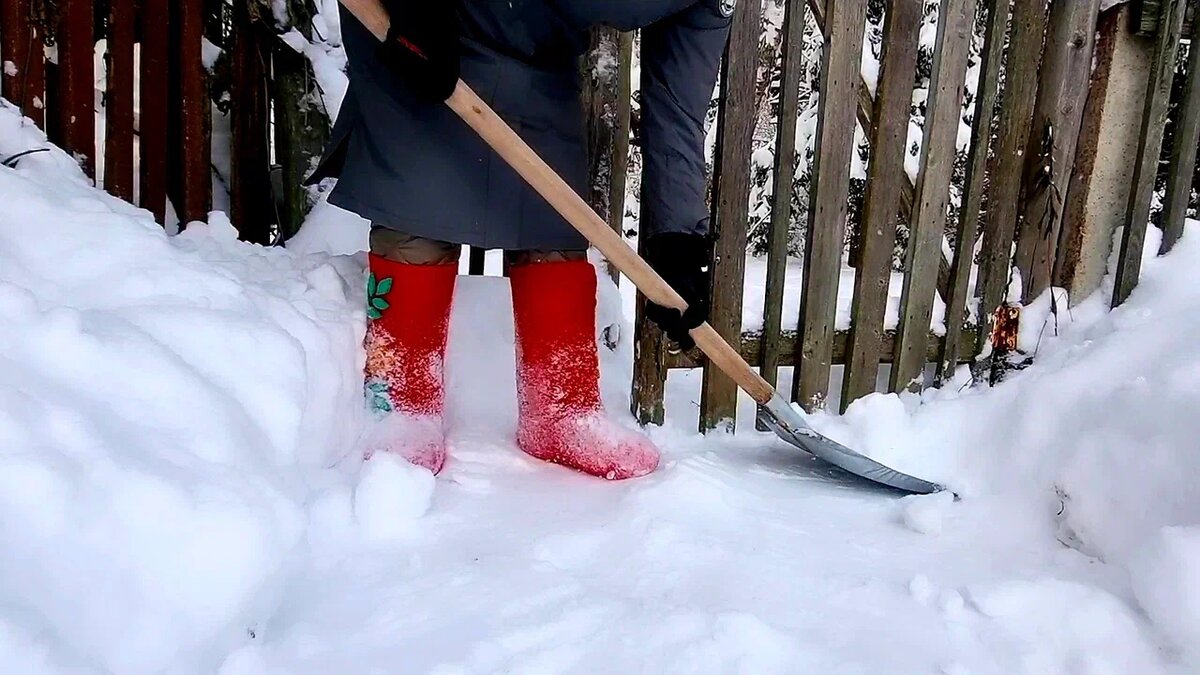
[
  {"x": 409, "y": 311},
  {"x": 558, "y": 375}
]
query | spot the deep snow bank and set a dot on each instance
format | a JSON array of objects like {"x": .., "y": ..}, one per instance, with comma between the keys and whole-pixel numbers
[
  {"x": 1103, "y": 428},
  {"x": 165, "y": 406}
]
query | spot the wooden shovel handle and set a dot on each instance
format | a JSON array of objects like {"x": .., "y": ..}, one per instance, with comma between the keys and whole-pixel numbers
[{"x": 501, "y": 137}]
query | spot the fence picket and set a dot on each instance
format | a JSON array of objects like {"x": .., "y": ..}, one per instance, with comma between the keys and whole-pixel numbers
[
  {"x": 1005, "y": 170},
  {"x": 251, "y": 205},
  {"x": 986, "y": 95},
  {"x": 118, "y": 101},
  {"x": 152, "y": 112},
  {"x": 1062, "y": 92},
  {"x": 781, "y": 204},
  {"x": 881, "y": 204},
  {"x": 730, "y": 205},
  {"x": 1183, "y": 155},
  {"x": 76, "y": 88},
  {"x": 1154, "y": 117},
  {"x": 840, "y": 57},
  {"x": 928, "y": 223},
  {"x": 195, "y": 158}
]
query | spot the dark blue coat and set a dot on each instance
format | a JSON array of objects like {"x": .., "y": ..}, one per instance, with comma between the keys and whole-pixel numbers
[{"x": 419, "y": 169}]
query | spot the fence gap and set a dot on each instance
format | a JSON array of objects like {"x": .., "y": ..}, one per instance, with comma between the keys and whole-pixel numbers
[
  {"x": 886, "y": 179},
  {"x": 1183, "y": 154},
  {"x": 840, "y": 87},
  {"x": 1005, "y": 169},
  {"x": 118, "y": 100},
  {"x": 928, "y": 223},
  {"x": 781, "y": 205},
  {"x": 730, "y": 205},
  {"x": 986, "y": 95}
]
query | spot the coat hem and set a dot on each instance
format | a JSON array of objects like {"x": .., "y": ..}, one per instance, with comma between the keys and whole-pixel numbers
[{"x": 421, "y": 227}]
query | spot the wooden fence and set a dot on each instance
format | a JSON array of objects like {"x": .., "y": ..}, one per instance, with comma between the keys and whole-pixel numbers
[
  {"x": 1040, "y": 113},
  {"x": 169, "y": 66},
  {"x": 1027, "y": 111}
]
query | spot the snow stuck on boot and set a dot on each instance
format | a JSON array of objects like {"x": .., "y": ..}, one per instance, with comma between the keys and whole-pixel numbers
[{"x": 592, "y": 444}]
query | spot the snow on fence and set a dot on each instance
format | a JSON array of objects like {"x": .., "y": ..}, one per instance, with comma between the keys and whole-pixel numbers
[{"x": 1045, "y": 173}]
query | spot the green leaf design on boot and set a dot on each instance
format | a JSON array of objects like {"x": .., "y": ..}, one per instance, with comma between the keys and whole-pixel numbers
[
  {"x": 376, "y": 289},
  {"x": 378, "y": 400}
]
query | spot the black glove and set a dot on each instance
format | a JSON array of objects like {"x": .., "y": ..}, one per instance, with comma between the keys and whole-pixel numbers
[
  {"x": 682, "y": 260},
  {"x": 422, "y": 46}
]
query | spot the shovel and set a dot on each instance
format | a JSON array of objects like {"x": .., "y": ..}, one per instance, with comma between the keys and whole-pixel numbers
[{"x": 773, "y": 410}]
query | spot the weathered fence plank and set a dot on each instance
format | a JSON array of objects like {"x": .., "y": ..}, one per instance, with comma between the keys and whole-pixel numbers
[
  {"x": 1005, "y": 171},
  {"x": 986, "y": 95},
  {"x": 14, "y": 48},
  {"x": 785, "y": 173},
  {"x": 1057, "y": 118},
  {"x": 76, "y": 98},
  {"x": 840, "y": 58},
  {"x": 1157, "y": 101},
  {"x": 730, "y": 204},
  {"x": 1183, "y": 154},
  {"x": 153, "y": 108},
  {"x": 195, "y": 113},
  {"x": 118, "y": 100},
  {"x": 649, "y": 358},
  {"x": 251, "y": 204},
  {"x": 21, "y": 46},
  {"x": 928, "y": 222},
  {"x": 881, "y": 204},
  {"x": 606, "y": 102}
]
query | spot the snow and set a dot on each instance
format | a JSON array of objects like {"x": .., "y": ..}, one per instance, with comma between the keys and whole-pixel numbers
[{"x": 182, "y": 486}]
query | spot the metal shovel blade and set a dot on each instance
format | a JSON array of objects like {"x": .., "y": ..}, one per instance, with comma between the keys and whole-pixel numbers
[{"x": 779, "y": 416}]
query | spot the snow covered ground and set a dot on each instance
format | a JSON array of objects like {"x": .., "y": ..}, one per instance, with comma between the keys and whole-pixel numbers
[{"x": 181, "y": 488}]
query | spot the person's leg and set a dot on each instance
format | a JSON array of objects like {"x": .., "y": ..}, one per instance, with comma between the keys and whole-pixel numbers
[
  {"x": 558, "y": 370},
  {"x": 410, "y": 288}
]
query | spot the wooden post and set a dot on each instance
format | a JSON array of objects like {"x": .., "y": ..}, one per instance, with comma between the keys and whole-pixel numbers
[
  {"x": 840, "y": 58},
  {"x": 1098, "y": 195},
  {"x": 251, "y": 203},
  {"x": 195, "y": 114},
  {"x": 620, "y": 160},
  {"x": 1062, "y": 92},
  {"x": 118, "y": 106},
  {"x": 76, "y": 82},
  {"x": 649, "y": 358},
  {"x": 301, "y": 123},
  {"x": 881, "y": 205},
  {"x": 1183, "y": 155},
  {"x": 153, "y": 109},
  {"x": 1024, "y": 59},
  {"x": 933, "y": 192},
  {"x": 21, "y": 44},
  {"x": 607, "y": 102},
  {"x": 730, "y": 205},
  {"x": 1154, "y": 119},
  {"x": 986, "y": 95},
  {"x": 785, "y": 173}
]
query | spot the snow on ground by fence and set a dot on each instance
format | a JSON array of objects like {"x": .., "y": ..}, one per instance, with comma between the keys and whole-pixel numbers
[{"x": 180, "y": 488}]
